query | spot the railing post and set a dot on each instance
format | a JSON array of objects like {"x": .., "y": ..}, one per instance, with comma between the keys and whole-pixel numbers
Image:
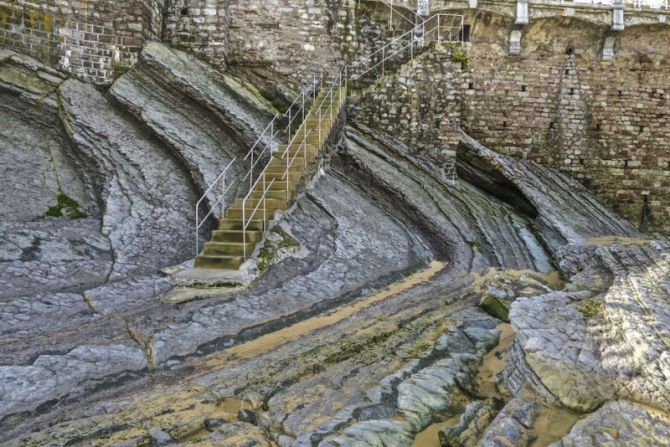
[
  {"x": 383, "y": 59},
  {"x": 244, "y": 229},
  {"x": 314, "y": 84},
  {"x": 223, "y": 196},
  {"x": 290, "y": 122},
  {"x": 411, "y": 46},
  {"x": 264, "y": 215},
  {"x": 251, "y": 170}
]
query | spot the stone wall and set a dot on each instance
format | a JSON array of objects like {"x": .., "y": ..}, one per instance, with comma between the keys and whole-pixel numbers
[
  {"x": 294, "y": 38},
  {"x": 419, "y": 105},
  {"x": 605, "y": 122},
  {"x": 90, "y": 39}
]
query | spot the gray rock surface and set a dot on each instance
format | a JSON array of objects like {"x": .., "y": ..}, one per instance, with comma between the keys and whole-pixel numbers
[
  {"x": 603, "y": 337},
  {"x": 512, "y": 426},
  {"x": 620, "y": 423},
  {"x": 149, "y": 199},
  {"x": 471, "y": 425},
  {"x": 368, "y": 341},
  {"x": 58, "y": 255},
  {"x": 205, "y": 117},
  {"x": 37, "y": 162}
]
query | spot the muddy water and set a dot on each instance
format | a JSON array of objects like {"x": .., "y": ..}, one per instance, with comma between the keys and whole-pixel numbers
[
  {"x": 492, "y": 364},
  {"x": 552, "y": 424},
  {"x": 429, "y": 437},
  {"x": 271, "y": 341}
]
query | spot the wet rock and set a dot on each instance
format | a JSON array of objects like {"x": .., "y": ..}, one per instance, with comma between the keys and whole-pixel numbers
[
  {"x": 512, "y": 426},
  {"x": 619, "y": 423},
  {"x": 160, "y": 438},
  {"x": 477, "y": 416},
  {"x": 237, "y": 434},
  {"x": 247, "y": 416},
  {"x": 213, "y": 424}
]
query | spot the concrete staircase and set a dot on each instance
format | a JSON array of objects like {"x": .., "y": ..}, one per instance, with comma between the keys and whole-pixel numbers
[{"x": 290, "y": 166}]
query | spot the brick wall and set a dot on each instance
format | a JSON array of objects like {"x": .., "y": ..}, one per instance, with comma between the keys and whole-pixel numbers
[
  {"x": 90, "y": 39},
  {"x": 606, "y": 123}
]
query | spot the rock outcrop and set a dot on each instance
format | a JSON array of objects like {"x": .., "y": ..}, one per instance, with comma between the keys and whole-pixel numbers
[{"x": 367, "y": 331}]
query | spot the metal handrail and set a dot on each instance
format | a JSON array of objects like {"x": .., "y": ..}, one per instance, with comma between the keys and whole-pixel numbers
[
  {"x": 417, "y": 36},
  {"x": 199, "y": 223}
]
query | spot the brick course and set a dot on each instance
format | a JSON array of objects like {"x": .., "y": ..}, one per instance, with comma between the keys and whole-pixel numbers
[{"x": 91, "y": 39}]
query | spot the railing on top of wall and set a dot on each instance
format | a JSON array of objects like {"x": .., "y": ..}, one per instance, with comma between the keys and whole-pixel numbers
[{"x": 437, "y": 28}]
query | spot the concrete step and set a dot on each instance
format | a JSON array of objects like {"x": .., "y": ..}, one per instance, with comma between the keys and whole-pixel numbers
[
  {"x": 277, "y": 185},
  {"x": 219, "y": 262},
  {"x": 279, "y": 177},
  {"x": 228, "y": 248},
  {"x": 280, "y": 163},
  {"x": 277, "y": 204},
  {"x": 236, "y": 224},
  {"x": 279, "y": 195},
  {"x": 251, "y": 236},
  {"x": 236, "y": 213}
]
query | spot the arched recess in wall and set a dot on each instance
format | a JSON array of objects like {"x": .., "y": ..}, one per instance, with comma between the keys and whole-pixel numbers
[
  {"x": 561, "y": 35},
  {"x": 645, "y": 44},
  {"x": 488, "y": 30}
]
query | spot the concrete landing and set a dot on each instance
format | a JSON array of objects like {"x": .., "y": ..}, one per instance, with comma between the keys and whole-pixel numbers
[{"x": 195, "y": 283}]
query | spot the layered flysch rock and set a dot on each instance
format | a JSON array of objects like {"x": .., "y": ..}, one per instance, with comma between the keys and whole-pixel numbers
[
  {"x": 148, "y": 197},
  {"x": 606, "y": 335},
  {"x": 37, "y": 163},
  {"x": 204, "y": 116},
  {"x": 619, "y": 423},
  {"x": 563, "y": 209},
  {"x": 353, "y": 336}
]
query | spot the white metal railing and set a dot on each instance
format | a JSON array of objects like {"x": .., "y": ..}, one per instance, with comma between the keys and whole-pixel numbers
[
  {"x": 267, "y": 140},
  {"x": 632, "y": 4},
  {"x": 290, "y": 157},
  {"x": 225, "y": 187},
  {"x": 281, "y": 126},
  {"x": 437, "y": 28}
]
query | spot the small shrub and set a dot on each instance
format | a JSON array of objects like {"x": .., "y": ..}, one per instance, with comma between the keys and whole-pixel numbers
[{"x": 462, "y": 57}]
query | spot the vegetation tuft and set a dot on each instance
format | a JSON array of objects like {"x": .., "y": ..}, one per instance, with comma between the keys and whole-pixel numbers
[
  {"x": 65, "y": 207},
  {"x": 590, "y": 308}
]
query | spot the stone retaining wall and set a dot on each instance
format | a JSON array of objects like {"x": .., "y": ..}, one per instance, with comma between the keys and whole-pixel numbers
[{"x": 419, "y": 105}]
